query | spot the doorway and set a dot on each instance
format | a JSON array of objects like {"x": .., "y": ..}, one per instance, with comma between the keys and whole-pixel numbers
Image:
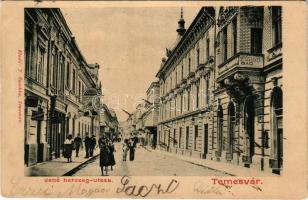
[{"x": 206, "y": 141}]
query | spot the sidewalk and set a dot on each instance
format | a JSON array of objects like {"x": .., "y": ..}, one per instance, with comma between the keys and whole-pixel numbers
[
  {"x": 59, "y": 166},
  {"x": 227, "y": 168}
]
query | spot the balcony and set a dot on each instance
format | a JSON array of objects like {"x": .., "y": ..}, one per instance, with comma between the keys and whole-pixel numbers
[
  {"x": 240, "y": 75},
  {"x": 240, "y": 62}
]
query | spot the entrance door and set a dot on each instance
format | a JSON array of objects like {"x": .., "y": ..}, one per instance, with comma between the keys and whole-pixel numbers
[
  {"x": 38, "y": 141},
  {"x": 206, "y": 135},
  {"x": 168, "y": 140},
  {"x": 249, "y": 127},
  {"x": 187, "y": 137},
  {"x": 276, "y": 127}
]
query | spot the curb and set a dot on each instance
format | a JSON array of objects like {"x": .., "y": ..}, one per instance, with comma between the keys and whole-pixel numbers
[
  {"x": 80, "y": 166},
  {"x": 196, "y": 163}
]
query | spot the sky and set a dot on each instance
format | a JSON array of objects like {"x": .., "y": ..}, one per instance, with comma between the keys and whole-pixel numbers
[{"x": 128, "y": 44}]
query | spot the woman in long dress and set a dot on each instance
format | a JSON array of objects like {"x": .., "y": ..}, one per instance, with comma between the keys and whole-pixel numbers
[
  {"x": 104, "y": 155},
  {"x": 111, "y": 154},
  {"x": 68, "y": 148}
]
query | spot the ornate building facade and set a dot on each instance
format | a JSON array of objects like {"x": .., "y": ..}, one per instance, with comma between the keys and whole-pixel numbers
[
  {"x": 186, "y": 88},
  {"x": 228, "y": 104},
  {"x": 59, "y": 86}
]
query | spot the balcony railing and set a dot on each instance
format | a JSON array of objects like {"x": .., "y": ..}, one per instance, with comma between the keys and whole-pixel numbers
[{"x": 241, "y": 60}]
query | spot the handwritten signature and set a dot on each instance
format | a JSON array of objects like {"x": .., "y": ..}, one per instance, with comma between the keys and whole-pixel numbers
[
  {"x": 202, "y": 188},
  {"x": 145, "y": 190}
]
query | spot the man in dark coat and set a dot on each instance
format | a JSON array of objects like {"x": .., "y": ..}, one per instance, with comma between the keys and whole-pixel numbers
[
  {"x": 93, "y": 144},
  {"x": 78, "y": 144},
  {"x": 87, "y": 144}
]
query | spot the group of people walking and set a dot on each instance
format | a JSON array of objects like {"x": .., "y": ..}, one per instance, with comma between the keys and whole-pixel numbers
[
  {"x": 71, "y": 144},
  {"x": 129, "y": 145},
  {"x": 106, "y": 146},
  {"x": 106, "y": 154}
]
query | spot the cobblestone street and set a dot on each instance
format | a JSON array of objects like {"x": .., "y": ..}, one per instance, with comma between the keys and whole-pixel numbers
[{"x": 149, "y": 163}]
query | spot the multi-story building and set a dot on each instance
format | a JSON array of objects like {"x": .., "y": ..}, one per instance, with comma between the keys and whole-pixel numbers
[
  {"x": 186, "y": 88},
  {"x": 142, "y": 123},
  {"x": 150, "y": 114},
  {"x": 58, "y": 84},
  {"x": 233, "y": 112},
  {"x": 249, "y": 94},
  {"x": 109, "y": 125}
]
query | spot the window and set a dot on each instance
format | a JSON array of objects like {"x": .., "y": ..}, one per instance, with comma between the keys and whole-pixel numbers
[
  {"x": 180, "y": 137},
  {"x": 182, "y": 72},
  {"x": 55, "y": 70},
  {"x": 62, "y": 61},
  {"x": 40, "y": 65},
  {"x": 207, "y": 92},
  {"x": 234, "y": 35},
  {"x": 187, "y": 137},
  {"x": 176, "y": 78},
  {"x": 189, "y": 64},
  {"x": 198, "y": 56},
  {"x": 225, "y": 44},
  {"x": 74, "y": 81},
  {"x": 68, "y": 72},
  {"x": 175, "y": 108},
  {"x": 197, "y": 95},
  {"x": 174, "y": 140},
  {"x": 276, "y": 17},
  {"x": 79, "y": 90},
  {"x": 188, "y": 100},
  {"x": 181, "y": 103},
  {"x": 207, "y": 51},
  {"x": 28, "y": 52},
  {"x": 196, "y": 137},
  {"x": 256, "y": 40}
]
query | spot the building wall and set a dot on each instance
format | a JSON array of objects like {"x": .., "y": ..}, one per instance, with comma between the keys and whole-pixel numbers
[
  {"x": 54, "y": 67},
  {"x": 246, "y": 116}
]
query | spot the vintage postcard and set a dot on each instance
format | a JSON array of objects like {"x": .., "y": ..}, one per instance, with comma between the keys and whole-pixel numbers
[{"x": 154, "y": 99}]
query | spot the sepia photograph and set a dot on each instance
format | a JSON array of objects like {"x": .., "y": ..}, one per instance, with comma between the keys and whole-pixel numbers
[
  {"x": 141, "y": 91},
  {"x": 154, "y": 99}
]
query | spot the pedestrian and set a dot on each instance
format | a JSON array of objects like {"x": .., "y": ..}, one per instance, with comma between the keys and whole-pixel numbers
[
  {"x": 111, "y": 154},
  {"x": 92, "y": 145},
  {"x": 68, "y": 146},
  {"x": 131, "y": 146},
  {"x": 87, "y": 144},
  {"x": 77, "y": 143},
  {"x": 104, "y": 155},
  {"x": 125, "y": 149}
]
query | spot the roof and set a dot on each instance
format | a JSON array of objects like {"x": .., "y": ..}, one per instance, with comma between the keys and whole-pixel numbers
[{"x": 172, "y": 54}]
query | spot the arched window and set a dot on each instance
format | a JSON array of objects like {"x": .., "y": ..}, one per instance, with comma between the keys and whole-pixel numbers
[
  {"x": 276, "y": 127},
  {"x": 249, "y": 116},
  {"x": 219, "y": 130},
  {"x": 231, "y": 130}
]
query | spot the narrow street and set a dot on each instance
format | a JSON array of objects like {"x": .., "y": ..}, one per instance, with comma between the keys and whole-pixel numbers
[{"x": 148, "y": 163}]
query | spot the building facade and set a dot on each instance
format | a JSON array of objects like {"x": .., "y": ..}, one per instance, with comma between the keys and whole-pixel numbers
[
  {"x": 186, "y": 85},
  {"x": 109, "y": 125},
  {"x": 142, "y": 123},
  {"x": 58, "y": 84},
  {"x": 221, "y": 88}
]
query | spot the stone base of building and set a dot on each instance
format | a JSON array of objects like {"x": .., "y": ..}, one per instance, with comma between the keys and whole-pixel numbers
[
  {"x": 35, "y": 153},
  {"x": 30, "y": 154},
  {"x": 196, "y": 154}
]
